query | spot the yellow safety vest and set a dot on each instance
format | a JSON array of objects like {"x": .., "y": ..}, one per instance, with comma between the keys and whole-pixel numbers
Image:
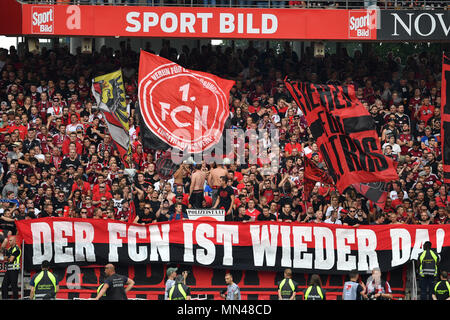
[
  {"x": 180, "y": 288},
  {"x": 15, "y": 265},
  {"x": 319, "y": 291},
  {"x": 100, "y": 288},
  {"x": 442, "y": 291},
  {"x": 290, "y": 282},
  {"x": 45, "y": 287},
  {"x": 421, "y": 260}
]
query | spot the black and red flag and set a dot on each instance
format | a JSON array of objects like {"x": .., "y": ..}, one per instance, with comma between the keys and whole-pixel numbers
[
  {"x": 345, "y": 134},
  {"x": 312, "y": 175},
  {"x": 445, "y": 117},
  {"x": 180, "y": 108}
]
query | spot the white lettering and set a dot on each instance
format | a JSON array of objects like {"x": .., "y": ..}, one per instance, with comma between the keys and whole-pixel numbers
[
  {"x": 206, "y": 255},
  {"x": 164, "y": 22},
  {"x": 300, "y": 234},
  {"x": 228, "y": 235},
  {"x": 84, "y": 237},
  {"x": 226, "y": 23},
  {"x": 367, "y": 243},
  {"x": 344, "y": 236},
  {"x": 322, "y": 235},
  {"x": 42, "y": 239},
  {"x": 159, "y": 242},
  {"x": 263, "y": 245},
  {"x": 135, "y": 252},
  {"x": 131, "y": 19},
  {"x": 400, "y": 254}
]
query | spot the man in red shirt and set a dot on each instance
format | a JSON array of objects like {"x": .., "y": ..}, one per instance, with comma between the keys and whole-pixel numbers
[
  {"x": 101, "y": 193},
  {"x": 426, "y": 111},
  {"x": 82, "y": 185},
  {"x": 72, "y": 138},
  {"x": 17, "y": 125},
  {"x": 293, "y": 144},
  {"x": 251, "y": 210}
]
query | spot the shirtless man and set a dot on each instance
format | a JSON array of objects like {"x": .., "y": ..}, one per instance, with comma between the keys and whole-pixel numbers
[
  {"x": 197, "y": 185},
  {"x": 214, "y": 179},
  {"x": 180, "y": 174}
]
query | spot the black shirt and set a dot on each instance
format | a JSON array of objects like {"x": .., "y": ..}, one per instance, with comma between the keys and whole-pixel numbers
[
  {"x": 351, "y": 221},
  {"x": 146, "y": 218},
  {"x": 262, "y": 217},
  {"x": 116, "y": 290},
  {"x": 225, "y": 197},
  {"x": 67, "y": 162},
  {"x": 245, "y": 217}
]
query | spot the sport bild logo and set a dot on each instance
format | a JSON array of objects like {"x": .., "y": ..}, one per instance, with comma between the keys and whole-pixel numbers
[
  {"x": 361, "y": 24},
  {"x": 43, "y": 20}
]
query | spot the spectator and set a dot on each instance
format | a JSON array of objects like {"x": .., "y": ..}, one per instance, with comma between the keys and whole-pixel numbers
[{"x": 378, "y": 288}]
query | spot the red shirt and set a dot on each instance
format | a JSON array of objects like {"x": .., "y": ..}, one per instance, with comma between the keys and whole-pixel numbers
[
  {"x": 426, "y": 112},
  {"x": 97, "y": 196},
  {"x": 289, "y": 147},
  {"x": 22, "y": 130},
  {"x": 66, "y": 144},
  {"x": 254, "y": 213},
  {"x": 84, "y": 189}
]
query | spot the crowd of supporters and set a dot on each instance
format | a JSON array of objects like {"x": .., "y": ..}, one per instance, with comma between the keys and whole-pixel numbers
[{"x": 58, "y": 159}]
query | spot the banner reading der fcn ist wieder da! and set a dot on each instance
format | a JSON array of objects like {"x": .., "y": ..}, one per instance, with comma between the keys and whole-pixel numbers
[{"x": 233, "y": 245}]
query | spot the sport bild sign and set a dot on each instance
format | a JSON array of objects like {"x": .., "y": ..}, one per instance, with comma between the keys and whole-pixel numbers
[
  {"x": 232, "y": 245},
  {"x": 414, "y": 25},
  {"x": 184, "y": 108},
  {"x": 43, "y": 19},
  {"x": 209, "y": 23}
]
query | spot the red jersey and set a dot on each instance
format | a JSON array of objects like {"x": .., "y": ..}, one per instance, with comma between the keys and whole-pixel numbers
[{"x": 426, "y": 112}]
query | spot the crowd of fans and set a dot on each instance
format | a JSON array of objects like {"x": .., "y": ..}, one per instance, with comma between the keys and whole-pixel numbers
[{"x": 58, "y": 159}]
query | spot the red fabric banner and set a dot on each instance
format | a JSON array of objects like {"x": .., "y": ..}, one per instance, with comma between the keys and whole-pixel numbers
[
  {"x": 445, "y": 117},
  {"x": 264, "y": 246},
  {"x": 345, "y": 133},
  {"x": 184, "y": 108}
]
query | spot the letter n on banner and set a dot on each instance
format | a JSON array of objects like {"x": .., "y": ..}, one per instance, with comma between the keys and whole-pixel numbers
[{"x": 445, "y": 117}]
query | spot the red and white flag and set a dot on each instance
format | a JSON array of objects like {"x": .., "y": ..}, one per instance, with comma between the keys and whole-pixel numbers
[{"x": 183, "y": 109}]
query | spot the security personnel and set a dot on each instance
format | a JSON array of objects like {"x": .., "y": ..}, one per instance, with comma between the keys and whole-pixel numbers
[
  {"x": 442, "y": 288},
  {"x": 428, "y": 270},
  {"x": 98, "y": 290},
  {"x": 44, "y": 284},
  {"x": 179, "y": 290},
  {"x": 13, "y": 255},
  {"x": 314, "y": 291},
  {"x": 287, "y": 288}
]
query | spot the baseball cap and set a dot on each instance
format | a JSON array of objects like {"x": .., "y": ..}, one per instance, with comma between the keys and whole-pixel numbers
[
  {"x": 71, "y": 81},
  {"x": 171, "y": 270},
  {"x": 4, "y": 103}
]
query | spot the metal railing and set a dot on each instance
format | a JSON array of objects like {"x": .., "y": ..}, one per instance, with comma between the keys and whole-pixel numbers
[{"x": 295, "y": 4}]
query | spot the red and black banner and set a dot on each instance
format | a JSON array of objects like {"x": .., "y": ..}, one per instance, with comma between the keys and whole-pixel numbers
[
  {"x": 345, "y": 133},
  {"x": 374, "y": 191},
  {"x": 445, "y": 117},
  {"x": 263, "y": 246},
  {"x": 183, "y": 109},
  {"x": 312, "y": 175}
]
